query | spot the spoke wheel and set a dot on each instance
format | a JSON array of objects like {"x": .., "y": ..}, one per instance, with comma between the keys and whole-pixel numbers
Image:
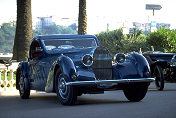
[
  {"x": 24, "y": 89},
  {"x": 159, "y": 77},
  {"x": 67, "y": 95}
]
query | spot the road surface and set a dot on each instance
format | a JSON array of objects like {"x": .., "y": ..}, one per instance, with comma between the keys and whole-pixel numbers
[{"x": 112, "y": 104}]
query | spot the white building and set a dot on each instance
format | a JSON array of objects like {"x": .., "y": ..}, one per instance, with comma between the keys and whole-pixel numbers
[{"x": 44, "y": 21}]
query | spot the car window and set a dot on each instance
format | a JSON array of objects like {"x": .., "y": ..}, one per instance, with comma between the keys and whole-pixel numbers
[
  {"x": 51, "y": 44},
  {"x": 35, "y": 49}
]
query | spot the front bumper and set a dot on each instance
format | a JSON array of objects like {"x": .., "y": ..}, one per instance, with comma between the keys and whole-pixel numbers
[{"x": 110, "y": 81}]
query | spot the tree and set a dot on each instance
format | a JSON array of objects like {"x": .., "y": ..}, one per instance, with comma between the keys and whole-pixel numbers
[
  {"x": 82, "y": 18},
  {"x": 73, "y": 26},
  {"x": 7, "y": 34},
  {"x": 54, "y": 29},
  {"x": 23, "y": 30}
]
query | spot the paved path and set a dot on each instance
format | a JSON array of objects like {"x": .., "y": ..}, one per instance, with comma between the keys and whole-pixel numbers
[{"x": 113, "y": 104}]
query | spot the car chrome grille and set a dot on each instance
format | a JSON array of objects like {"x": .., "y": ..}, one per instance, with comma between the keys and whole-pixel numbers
[{"x": 102, "y": 64}]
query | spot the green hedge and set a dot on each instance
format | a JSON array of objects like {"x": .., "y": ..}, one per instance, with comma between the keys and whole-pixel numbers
[
  {"x": 115, "y": 41},
  {"x": 112, "y": 40},
  {"x": 162, "y": 40}
]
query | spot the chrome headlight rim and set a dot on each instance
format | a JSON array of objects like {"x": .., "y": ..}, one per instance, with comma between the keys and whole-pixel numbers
[
  {"x": 119, "y": 58},
  {"x": 85, "y": 59}
]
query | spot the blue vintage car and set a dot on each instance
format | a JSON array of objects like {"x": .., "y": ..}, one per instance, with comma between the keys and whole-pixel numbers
[{"x": 72, "y": 65}]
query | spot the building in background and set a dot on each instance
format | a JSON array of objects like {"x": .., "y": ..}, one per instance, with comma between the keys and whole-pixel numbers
[
  {"x": 159, "y": 25},
  {"x": 146, "y": 27},
  {"x": 44, "y": 21}
]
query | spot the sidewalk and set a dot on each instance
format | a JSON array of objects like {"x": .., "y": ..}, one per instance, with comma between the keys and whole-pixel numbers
[
  {"x": 9, "y": 92},
  {"x": 12, "y": 92}
]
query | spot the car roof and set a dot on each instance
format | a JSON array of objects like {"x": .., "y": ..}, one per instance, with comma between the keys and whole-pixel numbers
[{"x": 64, "y": 36}]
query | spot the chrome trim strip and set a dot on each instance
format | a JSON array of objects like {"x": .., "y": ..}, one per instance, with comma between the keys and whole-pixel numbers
[{"x": 110, "y": 81}]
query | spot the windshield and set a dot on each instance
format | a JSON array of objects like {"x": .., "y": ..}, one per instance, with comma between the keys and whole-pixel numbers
[{"x": 51, "y": 44}]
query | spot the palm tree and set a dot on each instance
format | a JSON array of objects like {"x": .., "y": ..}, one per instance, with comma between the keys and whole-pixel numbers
[
  {"x": 82, "y": 19},
  {"x": 23, "y": 30}
]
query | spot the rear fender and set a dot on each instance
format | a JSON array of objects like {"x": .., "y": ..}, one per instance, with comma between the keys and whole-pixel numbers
[{"x": 24, "y": 68}]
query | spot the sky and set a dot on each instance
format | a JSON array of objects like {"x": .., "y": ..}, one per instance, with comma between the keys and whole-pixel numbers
[{"x": 99, "y": 12}]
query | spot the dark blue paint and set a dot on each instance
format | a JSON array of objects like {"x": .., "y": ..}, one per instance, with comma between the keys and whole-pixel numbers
[
  {"x": 24, "y": 66},
  {"x": 135, "y": 67},
  {"x": 67, "y": 66}
]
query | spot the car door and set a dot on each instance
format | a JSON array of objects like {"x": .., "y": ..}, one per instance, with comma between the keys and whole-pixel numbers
[{"x": 37, "y": 66}]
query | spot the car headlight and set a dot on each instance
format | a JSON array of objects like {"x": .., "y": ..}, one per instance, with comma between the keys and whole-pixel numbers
[
  {"x": 119, "y": 58},
  {"x": 87, "y": 60}
]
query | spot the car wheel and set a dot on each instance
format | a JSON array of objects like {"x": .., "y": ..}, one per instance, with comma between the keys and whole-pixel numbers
[
  {"x": 67, "y": 95},
  {"x": 135, "y": 92},
  {"x": 24, "y": 88},
  {"x": 159, "y": 77}
]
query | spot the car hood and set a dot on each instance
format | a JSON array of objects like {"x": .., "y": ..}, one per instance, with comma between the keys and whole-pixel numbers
[{"x": 75, "y": 54}]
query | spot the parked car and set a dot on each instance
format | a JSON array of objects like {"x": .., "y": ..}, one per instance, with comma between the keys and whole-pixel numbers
[
  {"x": 72, "y": 65},
  {"x": 163, "y": 67}
]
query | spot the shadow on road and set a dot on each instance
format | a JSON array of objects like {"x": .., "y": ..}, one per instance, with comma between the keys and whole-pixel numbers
[
  {"x": 82, "y": 100},
  {"x": 45, "y": 101},
  {"x": 92, "y": 101}
]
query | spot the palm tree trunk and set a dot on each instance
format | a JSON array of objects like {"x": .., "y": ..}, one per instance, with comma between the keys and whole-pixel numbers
[
  {"x": 23, "y": 30},
  {"x": 82, "y": 19}
]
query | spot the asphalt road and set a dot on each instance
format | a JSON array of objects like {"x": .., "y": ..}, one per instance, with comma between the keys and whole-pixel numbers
[{"x": 113, "y": 104}]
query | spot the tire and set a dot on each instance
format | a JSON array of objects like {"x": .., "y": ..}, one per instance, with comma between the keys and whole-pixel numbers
[
  {"x": 67, "y": 95},
  {"x": 159, "y": 77},
  {"x": 136, "y": 92},
  {"x": 24, "y": 88}
]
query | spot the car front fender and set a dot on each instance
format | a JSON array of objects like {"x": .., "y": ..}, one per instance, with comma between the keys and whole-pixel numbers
[
  {"x": 142, "y": 65},
  {"x": 66, "y": 66}
]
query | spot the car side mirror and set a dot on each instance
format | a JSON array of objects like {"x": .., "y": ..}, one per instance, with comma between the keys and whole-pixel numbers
[{"x": 38, "y": 49}]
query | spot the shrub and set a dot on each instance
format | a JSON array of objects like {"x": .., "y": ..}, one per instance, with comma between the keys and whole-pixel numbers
[
  {"x": 163, "y": 40},
  {"x": 115, "y": 41},
  {"x": 111, "y": 40}
]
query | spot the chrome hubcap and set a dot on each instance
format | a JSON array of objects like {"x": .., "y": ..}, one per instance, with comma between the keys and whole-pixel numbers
[{"x": 62, "y": 88}]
